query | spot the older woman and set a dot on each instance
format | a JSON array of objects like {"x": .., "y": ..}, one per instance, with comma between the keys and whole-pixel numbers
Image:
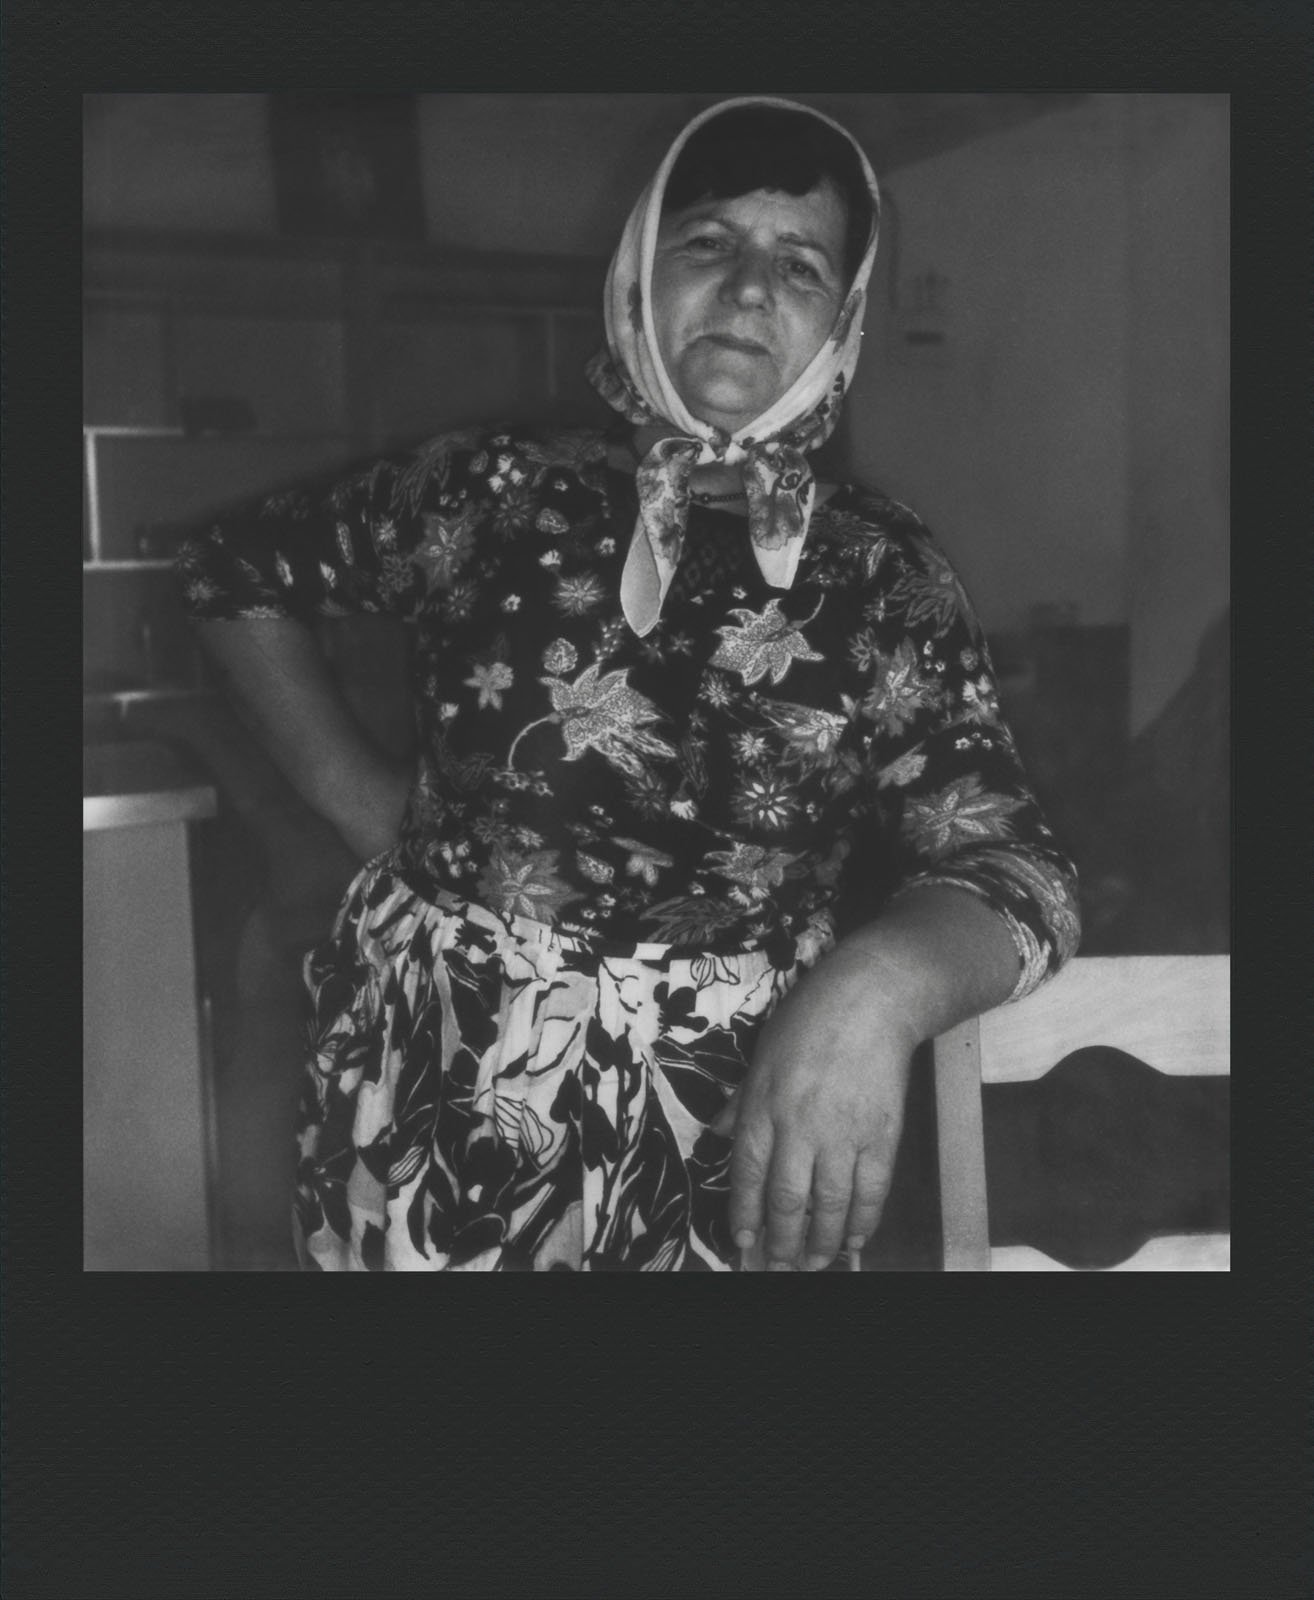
[{"x": 584, "y": 1006}]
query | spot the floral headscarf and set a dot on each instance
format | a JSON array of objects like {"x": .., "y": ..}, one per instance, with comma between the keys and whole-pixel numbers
[{"x": 631, "y": 377}]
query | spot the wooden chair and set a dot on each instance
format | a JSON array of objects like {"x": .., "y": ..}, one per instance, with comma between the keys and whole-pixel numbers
[{"x": 1171, "y": 1012}]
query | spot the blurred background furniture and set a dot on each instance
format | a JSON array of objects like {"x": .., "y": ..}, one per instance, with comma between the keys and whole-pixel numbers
[
  {"x": 148, "y": 1124},
  {"x": 1113, "y": 1153}
]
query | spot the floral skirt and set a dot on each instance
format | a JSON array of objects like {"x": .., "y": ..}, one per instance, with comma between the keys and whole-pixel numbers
[{"x": 485, "y": 1094}]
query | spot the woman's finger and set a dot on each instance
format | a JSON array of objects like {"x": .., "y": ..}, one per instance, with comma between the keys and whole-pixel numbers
[
  {"x": 788, "y": 1195},
  {"x": 871, "y": 1184},
  {"x": 750, "y": 1161},
  {"x": 832, "y": 1201}
]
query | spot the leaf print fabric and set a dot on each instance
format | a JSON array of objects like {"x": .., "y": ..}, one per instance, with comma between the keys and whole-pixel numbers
[
  {"x": 485, "y": 1095},
  {"x": 961, "y": 813},
  {"x": 903, "y": 770},
  {"x": 523, "y": 885},
  {"x": 721, "y": 782},
  {"x": 928, "y": 593},
  {"x": 758, "y": 644},
  {"x": 607, "y": 716},
  {"x": 899, "y": 689},
  {"x": 757, "y": 869},
  {"x": 811, "y": 736},
  {"x": 644, "y": 861}
]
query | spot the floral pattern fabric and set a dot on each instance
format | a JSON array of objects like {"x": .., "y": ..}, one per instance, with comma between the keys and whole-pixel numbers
[
  {"x": 486, "y": 1094},
  {"x": 715, "y": 784}
]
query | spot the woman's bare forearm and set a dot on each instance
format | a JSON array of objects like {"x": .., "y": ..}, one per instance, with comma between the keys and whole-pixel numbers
[
  {"x": 281, "y": 685},
  {"x": 939, "y": 955}
]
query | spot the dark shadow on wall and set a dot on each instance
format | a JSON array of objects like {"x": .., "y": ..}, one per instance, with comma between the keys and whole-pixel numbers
[{"x": 1146, "y": 818}]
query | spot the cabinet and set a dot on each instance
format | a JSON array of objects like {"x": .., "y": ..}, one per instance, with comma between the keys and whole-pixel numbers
[
  {"x": 148, "y": 1164},
  {"x": 219, "y": 369}
]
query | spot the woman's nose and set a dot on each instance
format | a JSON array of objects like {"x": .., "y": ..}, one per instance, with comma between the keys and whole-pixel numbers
[{"x": 748, "y": 282}]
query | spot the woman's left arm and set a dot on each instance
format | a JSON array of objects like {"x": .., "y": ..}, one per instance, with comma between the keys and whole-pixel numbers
[
  {"x": 986, "y": 910},
  {"x": 817, "y": 1123}
]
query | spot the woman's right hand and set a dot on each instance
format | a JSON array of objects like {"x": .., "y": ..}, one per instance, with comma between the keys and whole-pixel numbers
[{"x": 282, "y": 687}]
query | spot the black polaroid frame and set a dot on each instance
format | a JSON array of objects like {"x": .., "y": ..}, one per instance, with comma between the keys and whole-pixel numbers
[{"x": 256, "y": 1436}]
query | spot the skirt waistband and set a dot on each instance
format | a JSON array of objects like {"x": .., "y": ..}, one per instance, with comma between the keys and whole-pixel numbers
[{"x": 780, "y": 948}]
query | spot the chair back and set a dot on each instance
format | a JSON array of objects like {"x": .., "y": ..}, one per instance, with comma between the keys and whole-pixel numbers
[{"x": 1170, "y": 1012}]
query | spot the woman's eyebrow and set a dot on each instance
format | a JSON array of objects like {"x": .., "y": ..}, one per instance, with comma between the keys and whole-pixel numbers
[
  {"x": 804, "y": 242},
  {"x": 700, "y": 215}
]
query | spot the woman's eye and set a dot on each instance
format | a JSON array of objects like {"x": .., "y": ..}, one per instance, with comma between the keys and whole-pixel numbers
[
  {"x": 706, "y": 241},
  {"x": 802, "y": 269}
]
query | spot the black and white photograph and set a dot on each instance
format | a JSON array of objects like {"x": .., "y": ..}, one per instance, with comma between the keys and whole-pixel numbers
[{"x": 656, "y": 682}]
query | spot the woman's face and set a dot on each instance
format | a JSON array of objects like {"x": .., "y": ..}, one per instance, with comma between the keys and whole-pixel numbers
[{"x": 744, "y": 294}]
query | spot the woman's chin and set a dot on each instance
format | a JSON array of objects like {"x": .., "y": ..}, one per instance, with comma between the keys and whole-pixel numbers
[{"x": 730, "y": 413}]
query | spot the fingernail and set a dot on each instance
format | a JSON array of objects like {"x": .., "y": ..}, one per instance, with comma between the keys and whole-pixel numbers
[
  {"x": 815, "y": 1263},
  {"x": 744, "y": 1238},
  {"x": 779, "y": 1266},
  {"x": 855, "y": 1241}
]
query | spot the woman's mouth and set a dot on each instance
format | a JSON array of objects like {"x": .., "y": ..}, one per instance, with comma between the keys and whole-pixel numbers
[{"x": 728, "y": 342}]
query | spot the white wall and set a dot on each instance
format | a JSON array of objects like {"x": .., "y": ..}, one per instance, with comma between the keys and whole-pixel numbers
[
  {"x": 1178, "y": 524},
  {"x": 1068, "y": 441},
  {"x": 1010, "y": 439}
]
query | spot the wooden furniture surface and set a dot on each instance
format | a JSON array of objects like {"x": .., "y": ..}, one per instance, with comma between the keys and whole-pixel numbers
[{"x": 1170, "y": 1012}]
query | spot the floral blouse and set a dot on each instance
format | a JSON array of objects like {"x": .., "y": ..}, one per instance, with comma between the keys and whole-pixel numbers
[{"x": 716, "y": 784}]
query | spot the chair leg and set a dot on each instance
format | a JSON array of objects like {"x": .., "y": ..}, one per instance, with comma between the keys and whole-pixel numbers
[{"x": 961, "y": 1142}]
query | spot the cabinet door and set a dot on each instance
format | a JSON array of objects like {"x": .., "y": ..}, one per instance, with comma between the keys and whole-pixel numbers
[{"x": 144, "y": 1123}]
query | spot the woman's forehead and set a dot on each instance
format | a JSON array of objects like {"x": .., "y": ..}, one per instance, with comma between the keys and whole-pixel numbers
[{"x": 820, "y": 216}]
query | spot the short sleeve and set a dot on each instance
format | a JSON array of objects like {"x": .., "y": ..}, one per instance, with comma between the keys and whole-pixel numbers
[
  {"x": 950, "y": 794},
  {"x": 373, "y": 540}
]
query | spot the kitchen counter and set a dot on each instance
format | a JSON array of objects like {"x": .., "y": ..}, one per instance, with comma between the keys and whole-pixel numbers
[
  {"x": 147, "y": 1125},
  {"x": 136, "y": 783}
]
